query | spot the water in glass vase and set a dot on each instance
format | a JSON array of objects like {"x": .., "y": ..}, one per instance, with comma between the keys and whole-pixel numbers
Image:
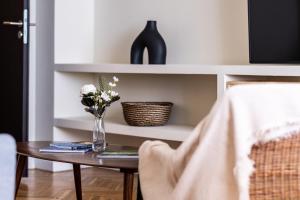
[{"x": 99, "y": 142}]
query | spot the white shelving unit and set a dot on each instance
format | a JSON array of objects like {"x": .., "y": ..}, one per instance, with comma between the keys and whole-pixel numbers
[
  {"x": 138, "y": 77},
  {"x": 174, "y": 132},
  {"x": 140, "y": 69},
  {"x": 207, "y": 42},
  {"x": 137, "y": 83},
  {"x": 180, "y": 69}
]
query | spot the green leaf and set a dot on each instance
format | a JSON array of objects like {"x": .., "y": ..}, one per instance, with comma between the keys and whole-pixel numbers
[
  {"x": 103, "y": 83},
  {"x": 87, "y": 101},
  {"x": 116, "y": 98}
]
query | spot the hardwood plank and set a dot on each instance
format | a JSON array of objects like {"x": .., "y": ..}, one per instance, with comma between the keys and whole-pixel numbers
[{"x": 97, "y": 184}]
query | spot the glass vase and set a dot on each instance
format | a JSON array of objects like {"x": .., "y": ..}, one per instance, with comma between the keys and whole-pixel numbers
[{"x": 99, "y": 142}]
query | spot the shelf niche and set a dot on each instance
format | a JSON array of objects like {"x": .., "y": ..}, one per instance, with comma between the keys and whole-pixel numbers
[
  {"x": 192, "y": 95},
  {"x": 196, "y": 32}
]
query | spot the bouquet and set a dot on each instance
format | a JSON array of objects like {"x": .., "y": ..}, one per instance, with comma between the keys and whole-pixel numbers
[{"x": 97, "y": 99}]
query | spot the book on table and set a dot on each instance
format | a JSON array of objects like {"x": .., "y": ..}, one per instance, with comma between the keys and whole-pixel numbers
[
  {"x": 50, "y": 149},
  {"x": 125, "y": 153},
  {"x": 67, "y": 147},
  {"x": 71, "y": 145},
  {"x": 134, "y": 157}
]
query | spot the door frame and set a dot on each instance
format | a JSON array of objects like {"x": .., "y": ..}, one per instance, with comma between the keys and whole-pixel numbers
[{"x": 25, "y": 101}]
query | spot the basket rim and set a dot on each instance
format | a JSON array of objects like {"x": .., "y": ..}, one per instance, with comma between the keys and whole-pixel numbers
[{"x": 148, "y": 103}]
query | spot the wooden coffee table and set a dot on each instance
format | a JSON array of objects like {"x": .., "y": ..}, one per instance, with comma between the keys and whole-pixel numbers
[{"x": 31, "y": 149}]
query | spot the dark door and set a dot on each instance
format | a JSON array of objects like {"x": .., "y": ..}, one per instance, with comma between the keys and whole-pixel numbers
[{"x": 14, "y": 50}]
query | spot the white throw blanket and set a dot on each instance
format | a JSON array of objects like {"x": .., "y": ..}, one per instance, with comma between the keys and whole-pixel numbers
[{"x": 213, "y": 162}]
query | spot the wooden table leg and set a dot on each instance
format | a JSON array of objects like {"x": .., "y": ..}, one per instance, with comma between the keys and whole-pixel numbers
[
  {"x": 19, "y": 172},
  {"x": 128, "y": 185},
  {"x": 77, "y": 179}
]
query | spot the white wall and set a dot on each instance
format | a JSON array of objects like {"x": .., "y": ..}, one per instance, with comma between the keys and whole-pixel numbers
[
  {"x": 32, "y": 77},
  {"x": 195, "y": 31},
  {"x": 32, "y": 70},
  {"x": 74, "y": 31},
  {"x": 41, "y": 75}
]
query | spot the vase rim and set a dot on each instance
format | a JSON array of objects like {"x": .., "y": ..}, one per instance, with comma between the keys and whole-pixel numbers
[{"x": 151, "y": 25}]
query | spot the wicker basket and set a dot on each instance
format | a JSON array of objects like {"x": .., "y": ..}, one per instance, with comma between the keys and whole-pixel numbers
[
  {"x": 277, "y": 170},
  {"x": 147, "y": 113}
]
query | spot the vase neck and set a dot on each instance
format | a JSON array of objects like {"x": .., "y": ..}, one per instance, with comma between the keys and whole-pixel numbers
[
  {"x": 151, "y": 26},
  {"x": 99, "y": 118},
  {"x": 99, "y": 122}
]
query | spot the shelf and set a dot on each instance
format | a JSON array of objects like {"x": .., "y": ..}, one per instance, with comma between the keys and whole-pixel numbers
[
  {"x": 263, "y": 70},
  {"x": 139, "y": 69},
  {"x": 167, "y": 132},
  {"x": 248, "y": 69}
]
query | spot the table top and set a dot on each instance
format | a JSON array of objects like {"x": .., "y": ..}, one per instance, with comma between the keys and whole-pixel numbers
[{"x": 31, "y": 149}]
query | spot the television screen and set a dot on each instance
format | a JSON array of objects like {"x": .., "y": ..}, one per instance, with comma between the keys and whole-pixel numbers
[{"x": 274, "y": 31}]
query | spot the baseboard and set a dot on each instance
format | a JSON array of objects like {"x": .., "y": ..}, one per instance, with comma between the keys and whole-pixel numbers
[{"x": 43, "y": 165}]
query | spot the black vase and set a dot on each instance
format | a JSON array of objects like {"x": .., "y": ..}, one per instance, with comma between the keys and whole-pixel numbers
[{"x": 151, "y": 39}]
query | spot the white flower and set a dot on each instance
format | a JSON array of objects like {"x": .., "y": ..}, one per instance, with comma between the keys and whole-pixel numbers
[
  {"x": 114, "y": 94},
  {"x": 116, "y": 79},
  {"x": 112, "y": 84},
  {"x": 86, "y": 89},
  {"x": 105, "y": 96}
]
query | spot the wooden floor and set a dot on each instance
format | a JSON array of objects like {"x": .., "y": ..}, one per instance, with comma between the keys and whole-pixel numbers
[{"x": 97, "y": 184}]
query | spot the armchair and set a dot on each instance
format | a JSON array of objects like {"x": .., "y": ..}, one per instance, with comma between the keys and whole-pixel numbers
[{"x": 7, "y": 167}]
